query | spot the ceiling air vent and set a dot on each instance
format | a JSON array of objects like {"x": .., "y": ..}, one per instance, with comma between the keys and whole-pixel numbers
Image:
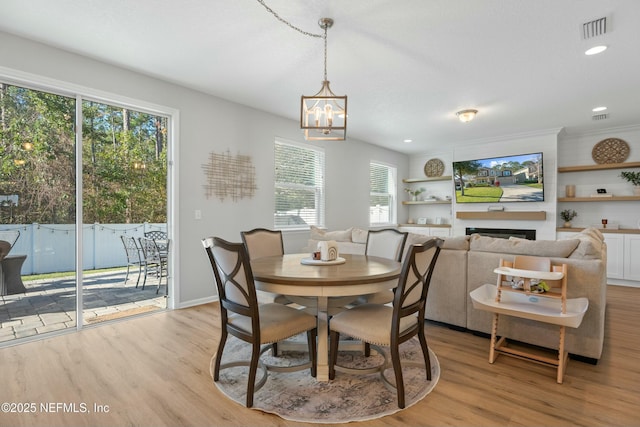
[
  {"x": 595, "y": 28},
  {"x": 603, "y": 116}
]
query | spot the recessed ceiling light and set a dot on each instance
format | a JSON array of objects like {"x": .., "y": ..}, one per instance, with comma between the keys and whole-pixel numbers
[
  {"x": 598, "y": 109},
  {"x": 595, "y": 50},
  {"x": 408, "y": 140}
]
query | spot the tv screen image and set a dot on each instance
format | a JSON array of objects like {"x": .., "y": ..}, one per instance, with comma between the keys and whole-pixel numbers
[{"x": 500, "y": 179}]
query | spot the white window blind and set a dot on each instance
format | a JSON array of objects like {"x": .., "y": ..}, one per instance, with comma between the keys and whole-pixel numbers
[
  {"x": 299, "y": 186},
  {"x": 382, "y": 196}
]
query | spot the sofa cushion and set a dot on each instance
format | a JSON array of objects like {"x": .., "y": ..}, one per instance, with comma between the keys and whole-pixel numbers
[
  {"x": 359, "y": 235},
  {"x": 338, "y": 236},
  {"x": 460, "y": 243},
  {"x": 590, "y": 244},
  {"x": 545, "y": 248}
]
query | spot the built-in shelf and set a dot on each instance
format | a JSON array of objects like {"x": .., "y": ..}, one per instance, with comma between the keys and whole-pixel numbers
[
  {"x": 505, "y": 215},
  {"x": 600, "y": 199},
  {"x": 437, "y": 178},
  {"x": 603, "y": 230},
  {"x": 426, "y": 225},
  {"x": 428, "y": 202},
  {"x": 598, "y": 167}
]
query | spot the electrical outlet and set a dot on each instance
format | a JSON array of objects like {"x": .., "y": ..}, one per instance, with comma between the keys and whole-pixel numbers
[{"x": 198, "y": 214}]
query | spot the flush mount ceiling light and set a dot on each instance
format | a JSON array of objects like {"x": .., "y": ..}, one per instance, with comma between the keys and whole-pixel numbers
[
  {"x": 466, "y": 116},
  {"x": 323, "y": 116},
  {"x": 598, "y": 109}
]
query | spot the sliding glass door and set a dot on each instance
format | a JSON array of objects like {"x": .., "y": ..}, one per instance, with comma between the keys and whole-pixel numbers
[{"x": 122, "y": 188}]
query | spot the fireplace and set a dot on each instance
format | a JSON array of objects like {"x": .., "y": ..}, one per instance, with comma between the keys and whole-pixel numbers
[{"x": 504, "y": 233}]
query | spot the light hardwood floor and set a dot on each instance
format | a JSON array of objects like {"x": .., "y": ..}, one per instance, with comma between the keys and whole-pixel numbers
[{"x": 154, "y": 371}]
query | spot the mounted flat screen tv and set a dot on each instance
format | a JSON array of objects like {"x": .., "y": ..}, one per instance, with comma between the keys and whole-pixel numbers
[{"x": 500, "y": 179}]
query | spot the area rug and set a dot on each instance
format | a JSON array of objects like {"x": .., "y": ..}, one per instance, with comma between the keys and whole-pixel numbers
[{"x": 297, "y": 396}]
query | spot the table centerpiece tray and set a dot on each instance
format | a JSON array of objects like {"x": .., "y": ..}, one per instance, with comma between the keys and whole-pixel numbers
[{"x": 311, "y": 261}]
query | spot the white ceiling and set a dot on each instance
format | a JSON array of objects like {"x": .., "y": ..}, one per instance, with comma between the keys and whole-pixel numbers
[{"x": 406, "y": 65}]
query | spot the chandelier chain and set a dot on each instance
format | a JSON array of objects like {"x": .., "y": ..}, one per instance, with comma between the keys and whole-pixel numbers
[{"x": 306, "y": 33}]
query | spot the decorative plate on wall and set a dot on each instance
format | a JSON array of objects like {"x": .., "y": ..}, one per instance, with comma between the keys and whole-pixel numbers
[
  {"x": 610, "y": 150},
  {"x": 434, "y": 168}
]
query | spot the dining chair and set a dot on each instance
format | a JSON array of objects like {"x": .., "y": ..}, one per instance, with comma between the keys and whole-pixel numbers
[
  {"x": 260, "y": 325},
  {"x": 385, "y": 243},
  {"x": 382, "y": 325},
  {"x": 153, "y": 261},
  {"x": 262, "y": 242},
  {"x": 134, "y": 256}
]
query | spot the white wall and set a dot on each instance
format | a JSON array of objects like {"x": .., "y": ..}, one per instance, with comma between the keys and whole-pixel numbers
[
  {"x": 211, "y": 124},
  {"x": 545, "y": 142}
]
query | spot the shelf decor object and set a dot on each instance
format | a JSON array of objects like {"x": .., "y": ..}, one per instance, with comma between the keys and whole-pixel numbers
[
  {"x": 434, "y": 168},
  {"x": 610, "y": 150}
]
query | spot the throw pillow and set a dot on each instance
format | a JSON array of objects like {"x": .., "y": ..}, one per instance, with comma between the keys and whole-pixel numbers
[
  {"x": 338, "y": 236},
  {"x": 359, "y": 235}
]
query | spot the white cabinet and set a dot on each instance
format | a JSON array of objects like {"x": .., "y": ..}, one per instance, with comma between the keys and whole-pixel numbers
[
  {"x": 623, "y": 254},
  {"x": 632, "y": 257},
  {"x": 615, "y": 255},
  {"x": 427, "y": 231}
]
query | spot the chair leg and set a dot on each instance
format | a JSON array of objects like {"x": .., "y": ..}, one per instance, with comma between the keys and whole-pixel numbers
[
  {"x": 139, "y": 274},
  {"x": 223, "y": 341},
  {"x": 311, "y": 339},
  {"x": 333, "y": 353},
  {"x": 397, "y": 370},
  {"x": 126, "y": 277},
  {"x": 253, "y": 368},
  {"x": 274, "y": 349},
  {"x": 367, "y": 349},
  {"x": 425, "y": 352}
]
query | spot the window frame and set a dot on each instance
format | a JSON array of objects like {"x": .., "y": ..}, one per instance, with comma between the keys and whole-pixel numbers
[
  {"x": 319, "y": 189},
  {"x": 392, "y": 193}
]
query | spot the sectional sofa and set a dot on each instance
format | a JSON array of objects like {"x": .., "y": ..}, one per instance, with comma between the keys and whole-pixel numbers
[{"x": 467, "y": 262}]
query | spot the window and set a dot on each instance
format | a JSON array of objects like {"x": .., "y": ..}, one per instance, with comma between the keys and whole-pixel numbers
[
  {"x": 382, "y": 196},
  {"x": 299, "y": 186}
]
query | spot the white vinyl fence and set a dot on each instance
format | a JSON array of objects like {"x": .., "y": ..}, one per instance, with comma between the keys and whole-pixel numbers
[{"x": 52, "y": 247}]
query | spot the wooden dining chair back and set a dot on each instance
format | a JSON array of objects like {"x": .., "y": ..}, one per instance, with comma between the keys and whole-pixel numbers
[
  {"x": 262, "y": 242},
  {"x": 243, "y": 317},
  {"x": 381, "y": 325},
  {"x": 135, "y": 258},
  {"x": 386, "y": 243}
]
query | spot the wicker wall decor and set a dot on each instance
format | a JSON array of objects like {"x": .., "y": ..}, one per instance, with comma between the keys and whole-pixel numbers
[
  {"x": 610, "y": 150},
  {"x": 229, "y": 176},
  {"x": 434, "y": 168}
]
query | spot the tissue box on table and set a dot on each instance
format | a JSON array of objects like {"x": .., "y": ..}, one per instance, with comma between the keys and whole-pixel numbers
[{"x": 328, "y": 250}]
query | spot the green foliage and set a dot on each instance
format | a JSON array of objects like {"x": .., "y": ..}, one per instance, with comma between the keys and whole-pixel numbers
[
  {"x": 568, "y": 214},
  {"x": 43, "y": 176},
  {"x": 487, "y": 194},
  {"x": 632, "y": 177}
]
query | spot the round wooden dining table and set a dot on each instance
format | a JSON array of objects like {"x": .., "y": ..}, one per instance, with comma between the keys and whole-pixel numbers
[{"x": 290, "y": 274}]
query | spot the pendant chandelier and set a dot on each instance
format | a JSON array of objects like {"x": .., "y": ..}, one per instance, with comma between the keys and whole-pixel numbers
[{"x": 323, "y": 116}]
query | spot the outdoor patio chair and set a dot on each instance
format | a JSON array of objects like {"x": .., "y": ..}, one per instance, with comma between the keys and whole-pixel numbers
[
  {"x": 382, "y": 325},
  {"x": 161, "y": 239},
  {"x": 134, "y": 256},
  {"x": 260, "y": 325},
  {"x": 153, "y": 261}
]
